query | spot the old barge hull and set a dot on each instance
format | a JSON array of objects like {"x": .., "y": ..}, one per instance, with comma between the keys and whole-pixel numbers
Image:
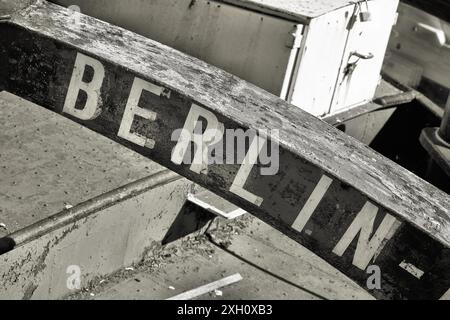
[
  {"x": 54, "y": 226},
  {"x": 333, "y": 189}
]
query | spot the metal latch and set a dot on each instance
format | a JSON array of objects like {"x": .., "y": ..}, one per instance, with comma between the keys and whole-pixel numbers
[
  {"x": 437, "y": 35},
  {"x": 362, "y": 56}
]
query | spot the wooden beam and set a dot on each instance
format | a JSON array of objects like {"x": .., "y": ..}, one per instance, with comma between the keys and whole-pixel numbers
[{"x": 334, "y": 195}]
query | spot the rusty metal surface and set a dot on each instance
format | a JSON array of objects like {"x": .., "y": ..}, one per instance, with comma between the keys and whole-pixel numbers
[
  {"x": 92, "y": 206},
  {"x": 102, "y": 243},
  {"x": 38, "y": 51},
  {"x": 48, "y": 162}
]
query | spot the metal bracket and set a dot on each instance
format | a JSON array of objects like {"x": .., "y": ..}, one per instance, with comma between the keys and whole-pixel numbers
[{"x": 362, "y": 56}]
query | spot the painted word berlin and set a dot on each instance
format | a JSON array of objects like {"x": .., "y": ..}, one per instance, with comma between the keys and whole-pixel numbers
[{"x": 363, "y": 224}]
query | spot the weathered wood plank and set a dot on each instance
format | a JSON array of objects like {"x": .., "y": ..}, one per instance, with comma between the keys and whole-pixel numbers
[{"x": 329, "y": 192}]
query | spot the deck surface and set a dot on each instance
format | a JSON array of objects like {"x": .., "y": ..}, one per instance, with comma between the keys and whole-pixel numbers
[
  {"x": 272, "y": 267},
  {"x": 48, "y": 162}
]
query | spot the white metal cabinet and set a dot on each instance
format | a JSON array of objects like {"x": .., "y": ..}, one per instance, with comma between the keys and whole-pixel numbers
[
  {"x": 296, "y": 49},
  {"x": 320, "y": 61}
]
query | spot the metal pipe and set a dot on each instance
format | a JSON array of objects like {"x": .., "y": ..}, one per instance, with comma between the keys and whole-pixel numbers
[{"x": 444, "y": 130}]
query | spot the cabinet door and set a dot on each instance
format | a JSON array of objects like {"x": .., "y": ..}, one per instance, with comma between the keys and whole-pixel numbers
[
  {"x": 364, "y": 54},
  {"x": 320, "y": 60}
]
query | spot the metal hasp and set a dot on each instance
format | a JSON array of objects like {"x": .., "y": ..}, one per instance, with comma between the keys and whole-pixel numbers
[
  {"x": 346, "y": 203},
  {"x": 437, "y": 142}
]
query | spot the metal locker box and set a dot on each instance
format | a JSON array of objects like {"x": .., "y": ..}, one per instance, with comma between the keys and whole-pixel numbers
[{"x": 324, "y": 56}]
